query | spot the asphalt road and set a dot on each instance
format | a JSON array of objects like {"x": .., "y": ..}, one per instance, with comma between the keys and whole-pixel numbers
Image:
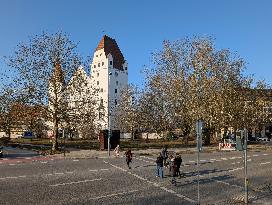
[{"x": 30, "y": 179}]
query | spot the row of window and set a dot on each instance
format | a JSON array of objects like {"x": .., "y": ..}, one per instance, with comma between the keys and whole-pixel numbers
[
  {"x": 102, "y": 64},
  {"x": 115, "y": 101}
]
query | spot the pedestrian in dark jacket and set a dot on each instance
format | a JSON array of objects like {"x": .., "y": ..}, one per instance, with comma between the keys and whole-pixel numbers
[
  {"x": 164, "y": 155},
  {"x": 174, "y": 171},
  {"x": 159, "y": 163},
  {"x": 178, "y": 162},
  {"x": 128, "y": 157}
]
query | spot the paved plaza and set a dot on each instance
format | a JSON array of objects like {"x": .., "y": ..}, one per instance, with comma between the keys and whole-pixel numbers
[{"x": 27, "y": 178}]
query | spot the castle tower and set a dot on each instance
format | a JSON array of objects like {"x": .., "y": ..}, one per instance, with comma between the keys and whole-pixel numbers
[{"x": 109, "y": 75}]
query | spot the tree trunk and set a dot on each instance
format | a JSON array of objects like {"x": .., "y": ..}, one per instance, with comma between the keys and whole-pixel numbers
[{"x": 55, "y": 136}]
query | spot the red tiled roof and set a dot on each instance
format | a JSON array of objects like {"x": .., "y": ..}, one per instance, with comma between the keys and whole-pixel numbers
[{"x": 110, "y": 46}]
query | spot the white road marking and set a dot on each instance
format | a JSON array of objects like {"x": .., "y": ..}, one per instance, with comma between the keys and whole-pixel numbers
[
  {"x": 78, "y": 182},
  {"x": 44, "y": 162},
  {"x": 232, "y": 170},
  {"x": 104, "y": 169},
  {"x": 213, "y": 159},
  {"x": 5, "y": 159},
  {"x": 154, "y": 184},
  {"x": 27, "y": 158},
  {"x": 218, "y": 160},
  {"x": 59, "y": 173},
  {"x": 255, "y": 155},
  {"x": 18, "y": 161},
  {"x": 75, "y": 160},
  {"x": 117, "y": 194},
  {"x": 12, "y": 164},
  {"x": 265, "y": 154},
  {"x": 222, "y": 182},
  {"x": 192, "y": 161},
  {"x": 69, "y": 172},
  {"x": 224, "y": 158},
  {"x": 239, "y": 157},
  {"x": 203, "y": 160},
  {"x": 263, "y": 163},
  {"x": 233, "y": 158},
  {"x": 22, "y": 176},
  {"x": 93, "y": 170}
]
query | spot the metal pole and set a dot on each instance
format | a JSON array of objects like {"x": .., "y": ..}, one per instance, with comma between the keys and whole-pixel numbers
[
  {"x": 245, "y": 167},
  {"x": 198, "y": 194},
  {"x": 63, "y": 136},
  {"x": 109, "y": 122}
]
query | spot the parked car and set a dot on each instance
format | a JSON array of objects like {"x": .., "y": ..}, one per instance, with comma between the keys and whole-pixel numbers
[{"x": 265, "y": 139}]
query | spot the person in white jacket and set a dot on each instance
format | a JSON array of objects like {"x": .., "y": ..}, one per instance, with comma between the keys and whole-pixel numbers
[{"x": 117, "y": 151}]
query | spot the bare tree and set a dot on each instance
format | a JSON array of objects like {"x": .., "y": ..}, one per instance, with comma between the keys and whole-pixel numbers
[{"x": 44, "y": 66}]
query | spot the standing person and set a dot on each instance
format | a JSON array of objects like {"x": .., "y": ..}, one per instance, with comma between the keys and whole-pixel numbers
[
  {"x": 117, "y": 151},
  {"x": 128, "y": 157},
  {"x": 174, "y": 171},
  {"x": 159, "y": 163},
  {"x": 178, "y": 162},
  {"x": 164, "y": 155}
]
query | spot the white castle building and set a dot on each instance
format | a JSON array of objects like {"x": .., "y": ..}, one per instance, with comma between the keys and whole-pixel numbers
[{"x": 108, "y": 77}]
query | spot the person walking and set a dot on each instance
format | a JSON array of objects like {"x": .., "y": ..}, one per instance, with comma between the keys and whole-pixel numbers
[
  {"x": 159, "y": 163},
  {"x": 117, "y": 151},
  {"x": 174, "y": 171},
  {"x": 178, "y": 162},
  {"x": 128, "y": 157},
  {"x": 164, "y": 155}
]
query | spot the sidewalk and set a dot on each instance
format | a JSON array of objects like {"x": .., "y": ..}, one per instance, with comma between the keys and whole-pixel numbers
[{"x": 104, "y": 153}]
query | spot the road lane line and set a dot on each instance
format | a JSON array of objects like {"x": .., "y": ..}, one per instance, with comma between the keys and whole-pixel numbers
[
  {"x": 104, "y": 169},
  {"x": 12, "y": 164},
  {"x": 222, "y": 182},
  {"x": 255, "y": 155},
  {"x": 203, "y": 160},
  {"x": 93, "y": 170},
  {"x": 75, "y": 160},
  {"x": 265, "y": 154},
  {"x": 224, "y": 158},
  {"x": 69, "y": 172},
  {"x": 232, "y": 170},
  {"x": 192, "y": 161},
  {"x": 44, "y": 162},
  {"x": 154, "y": 184},
  {"x": 263, "y": 163},
  {"x": 78, "y": 182},
  {"x": 59, "y": 173},
  {"x": 111, "y": 195}
]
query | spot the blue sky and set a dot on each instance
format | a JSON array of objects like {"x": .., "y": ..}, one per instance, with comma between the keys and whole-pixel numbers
[{"x": 243, "y": 26}]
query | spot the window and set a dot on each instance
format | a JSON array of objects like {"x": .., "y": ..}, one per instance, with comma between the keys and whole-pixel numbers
[
  {"x": 102, "y": 63},
  {"x": 97, "y": 82},
  {"x": 100, "y": 54},
  {"x": 125, "y": 68},
  {"x": 116, "y": 74},
  {"x": 115, "y": 101},
  {"x": 94, "y": 66},
  {"x": 101, "y": 90},
  {"x": 100, "y": 115},
  {"x": 98, "y": 64},
  {"x": 116, "y": 82},
  {"x": 101, "y": 101},
  {"x": 115, "y": 90},
  {"x": 97, "y": 74},
  {"x": 110, "y": 62},
  {"x": 96, "y": 55}
]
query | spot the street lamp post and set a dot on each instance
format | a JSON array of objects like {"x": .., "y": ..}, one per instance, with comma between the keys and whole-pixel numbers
[{"x": 109, "y": 113}]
